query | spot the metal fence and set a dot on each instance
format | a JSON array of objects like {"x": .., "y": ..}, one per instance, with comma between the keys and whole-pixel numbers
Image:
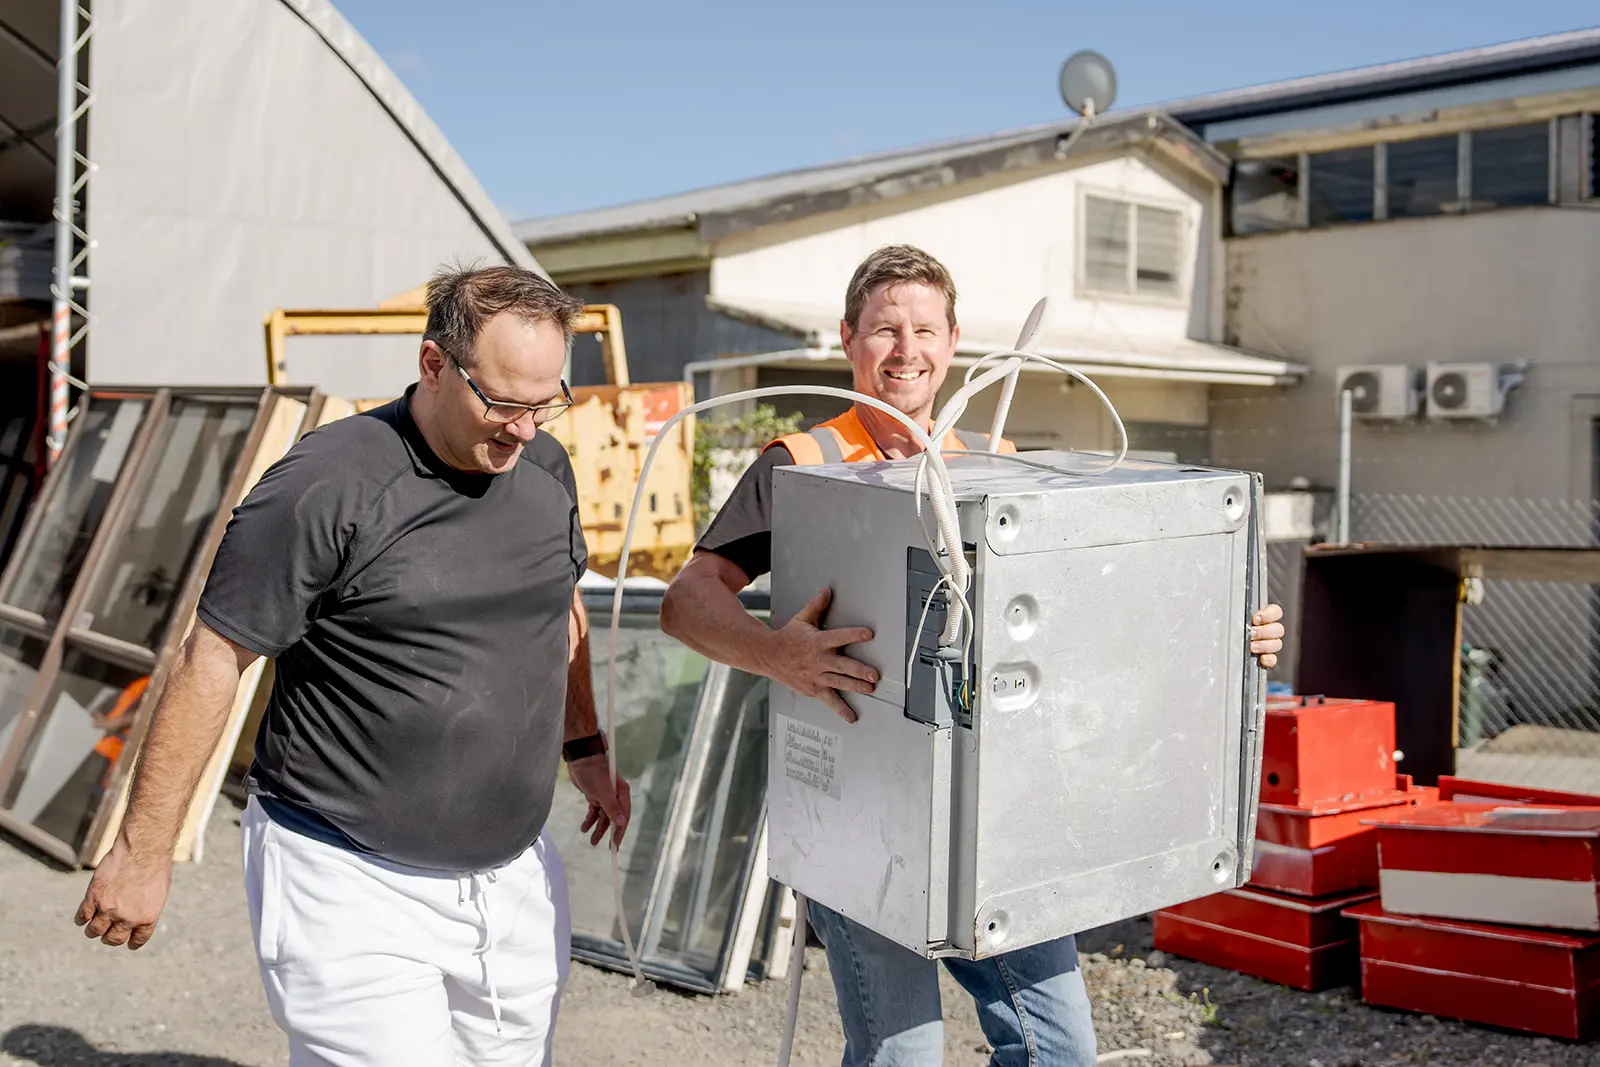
[{"x": 1530, "y": 687}]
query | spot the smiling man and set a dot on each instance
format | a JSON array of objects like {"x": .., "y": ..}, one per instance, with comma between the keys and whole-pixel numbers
[
  {"x": 413, "y": 571},
  {"x": 900, "y": 334}
]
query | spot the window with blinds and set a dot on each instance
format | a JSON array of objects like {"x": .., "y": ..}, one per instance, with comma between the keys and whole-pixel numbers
[
  {"x": 1552, "y": 161},
  {"x": 1511, "y": 166},
  {"x": 1131, "y": 249}
]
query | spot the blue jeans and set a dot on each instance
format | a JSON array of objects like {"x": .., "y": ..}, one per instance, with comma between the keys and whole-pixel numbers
[{"x": 1032, "y": 1003}]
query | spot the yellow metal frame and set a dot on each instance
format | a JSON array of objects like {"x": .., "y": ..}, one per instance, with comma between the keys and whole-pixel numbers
[{"x": 404, "y": 315}]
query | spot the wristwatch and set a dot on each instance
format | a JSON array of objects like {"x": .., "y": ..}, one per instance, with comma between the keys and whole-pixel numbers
[{"x": 582, "y": 747}]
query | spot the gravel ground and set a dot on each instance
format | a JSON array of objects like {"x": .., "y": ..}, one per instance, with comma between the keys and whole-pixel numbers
[{"x": 191, "y": 998}]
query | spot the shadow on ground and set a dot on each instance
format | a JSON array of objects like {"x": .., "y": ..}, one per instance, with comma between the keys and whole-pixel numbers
[{"x": 58, "y": 1046}]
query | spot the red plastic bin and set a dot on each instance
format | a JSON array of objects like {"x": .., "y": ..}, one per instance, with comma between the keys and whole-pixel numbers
[
  {"x": 1540, "y": 981},
  {"x": 1318, "y": 749},
  {"x": 1305, "y": 944},
  {"x": 1318, "y": 851}
]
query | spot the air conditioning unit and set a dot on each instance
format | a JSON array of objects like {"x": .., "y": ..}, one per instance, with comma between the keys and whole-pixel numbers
[
  {"x": 1381, "y": 390},
  {"x": 1470, "y": 390}
]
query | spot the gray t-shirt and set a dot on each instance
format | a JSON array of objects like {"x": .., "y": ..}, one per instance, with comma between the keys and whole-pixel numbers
[{"x": 418, "y": 615}]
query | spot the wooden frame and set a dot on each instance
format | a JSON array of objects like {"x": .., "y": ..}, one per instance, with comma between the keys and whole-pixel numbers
[
  {"x": 279, "y": 416},
  {"x": 403, "y": 316}
]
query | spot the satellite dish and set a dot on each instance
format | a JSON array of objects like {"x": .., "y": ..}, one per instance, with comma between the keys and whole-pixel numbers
[{"x": 1088, "y": 84}]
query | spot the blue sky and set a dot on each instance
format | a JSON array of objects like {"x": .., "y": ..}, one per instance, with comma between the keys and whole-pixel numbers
[{"x": 563, "y": 107}]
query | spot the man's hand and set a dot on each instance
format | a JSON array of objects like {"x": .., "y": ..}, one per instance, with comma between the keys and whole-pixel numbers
[
  {"x": 1266, "y": 635},
  {"x": 608, "y": 809},
  {"x": 807, "y": 660},
  {"x": 125, "y": 896}
]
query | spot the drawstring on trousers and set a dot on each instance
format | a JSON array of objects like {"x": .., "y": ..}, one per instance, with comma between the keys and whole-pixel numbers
[{"x": 476, "y": 885}]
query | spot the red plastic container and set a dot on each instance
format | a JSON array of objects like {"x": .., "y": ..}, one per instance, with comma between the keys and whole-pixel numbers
[
  {"x": 1318, "y": 750},
  {"x": 1469, "y": 791},
  {"x": 1541, "y": 981},
  {"x": 1317, "y": 851},
  {"x": 1533, "y": 865},
  {"x": 1305, "y": 944}
]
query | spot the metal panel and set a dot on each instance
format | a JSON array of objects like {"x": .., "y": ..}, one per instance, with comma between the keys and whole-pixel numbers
[
  {"x": 1105, "y": 774},
  {"x": 884, "y": 820},
  {"x": 1114, "y": 787}
]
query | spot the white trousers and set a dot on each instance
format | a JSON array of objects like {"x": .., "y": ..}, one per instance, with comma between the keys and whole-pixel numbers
[{"x": 373, "y": 964}]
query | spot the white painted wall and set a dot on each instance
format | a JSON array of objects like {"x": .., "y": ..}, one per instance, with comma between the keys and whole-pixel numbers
[
  {"x": 1006, "y": 243},
  {"x": 1514, "y": 284}
]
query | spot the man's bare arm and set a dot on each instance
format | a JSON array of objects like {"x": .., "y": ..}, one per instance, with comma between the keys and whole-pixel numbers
[
  {"x": 581, "y": 720},
  {"x": 185, "y": 730},
  {"x": 129, "y": 888},
  {"x": 609, "y": 808},
  {"x": 701, "y": 608}
]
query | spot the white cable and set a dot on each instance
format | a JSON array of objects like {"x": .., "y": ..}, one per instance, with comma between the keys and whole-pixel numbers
[
  {"x": 1002, "y": 407},
  {"x": 944, "y": 579},
  {"x": 1033, "y": 357},
  {"x": 951, "y": 413},
  {"x": 1032, "y": 327}
]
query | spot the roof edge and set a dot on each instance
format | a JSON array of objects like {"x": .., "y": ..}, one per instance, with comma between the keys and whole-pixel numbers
[
  {"x": 1484, "y": 63},
  {"x": 396, "y": 100},
  {"x": 1109, "y": 135}
]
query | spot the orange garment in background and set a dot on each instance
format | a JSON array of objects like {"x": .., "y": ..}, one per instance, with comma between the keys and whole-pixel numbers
[{"x": 110, "y": 746}]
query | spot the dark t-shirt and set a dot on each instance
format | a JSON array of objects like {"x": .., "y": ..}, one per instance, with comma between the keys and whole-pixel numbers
[
  {"x": 741, "y": 531},
  {"x": 418, "y": 615}
]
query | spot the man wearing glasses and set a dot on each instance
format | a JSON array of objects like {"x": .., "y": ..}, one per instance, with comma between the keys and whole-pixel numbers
[{"x": 413, "y": 572}]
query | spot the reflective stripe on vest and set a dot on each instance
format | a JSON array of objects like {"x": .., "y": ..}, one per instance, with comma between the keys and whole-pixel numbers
[{"x": 846, "y": 439}]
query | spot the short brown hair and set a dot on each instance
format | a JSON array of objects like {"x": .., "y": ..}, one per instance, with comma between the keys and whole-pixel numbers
[
  {"x": 896, "y": 265},
  {"x": 462, "y": 299}
]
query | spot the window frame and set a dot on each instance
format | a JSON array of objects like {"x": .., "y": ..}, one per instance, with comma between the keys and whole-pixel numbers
[
  {"x": 1587, "y": 177},
  {"x": 1185, "y": 268},
  {"x": 281, "y": 415}
]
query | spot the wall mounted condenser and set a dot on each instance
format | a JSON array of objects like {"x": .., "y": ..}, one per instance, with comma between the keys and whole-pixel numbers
[{"x": 1092, "y": 753}]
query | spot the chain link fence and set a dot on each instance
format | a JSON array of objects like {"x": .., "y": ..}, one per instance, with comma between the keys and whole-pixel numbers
[{"x": 1530, "y": 650}]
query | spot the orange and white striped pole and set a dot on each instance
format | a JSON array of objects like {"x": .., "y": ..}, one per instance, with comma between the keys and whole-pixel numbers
[{"x": 60, "y": 360}]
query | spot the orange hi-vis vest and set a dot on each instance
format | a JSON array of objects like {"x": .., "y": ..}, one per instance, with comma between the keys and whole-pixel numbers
[{"x": 846, "y": 439}]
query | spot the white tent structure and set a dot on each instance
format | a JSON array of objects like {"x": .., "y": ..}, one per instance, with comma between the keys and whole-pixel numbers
[{"x": 232, "y": 156}]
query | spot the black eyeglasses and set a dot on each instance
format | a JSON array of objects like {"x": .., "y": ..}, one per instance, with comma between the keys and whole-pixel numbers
[{"x": 504, "y": 412}]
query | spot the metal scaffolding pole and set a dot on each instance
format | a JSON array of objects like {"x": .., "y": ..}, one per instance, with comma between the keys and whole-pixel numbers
[
  {"x": 69, "y": 185},
  {"x": 1342, "y": 534}
]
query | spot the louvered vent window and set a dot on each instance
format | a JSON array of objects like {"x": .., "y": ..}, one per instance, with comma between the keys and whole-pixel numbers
[{"x": 1131, "y": 249}]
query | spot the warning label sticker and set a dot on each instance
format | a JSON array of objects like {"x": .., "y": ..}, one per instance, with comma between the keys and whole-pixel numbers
[{"x": 810, "y": 755}]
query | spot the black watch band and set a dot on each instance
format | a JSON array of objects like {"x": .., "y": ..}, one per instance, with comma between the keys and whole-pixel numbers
[{"x": 583, "y": 747}]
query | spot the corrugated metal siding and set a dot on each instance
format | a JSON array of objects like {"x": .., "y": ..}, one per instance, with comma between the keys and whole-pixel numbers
[{"x": 666, "y": 325}]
